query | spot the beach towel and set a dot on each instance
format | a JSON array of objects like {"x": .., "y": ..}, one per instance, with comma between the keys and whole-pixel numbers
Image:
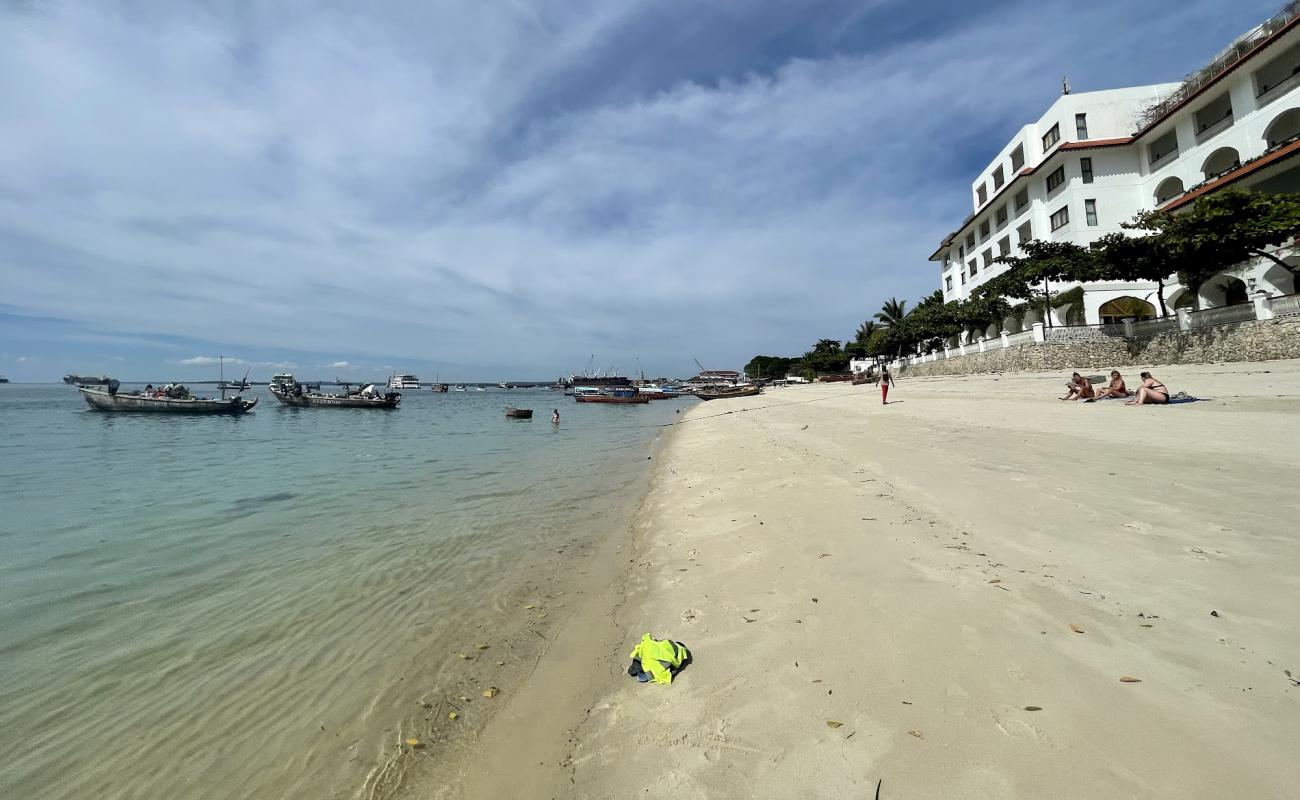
[{"x": 1183, "y": 397}]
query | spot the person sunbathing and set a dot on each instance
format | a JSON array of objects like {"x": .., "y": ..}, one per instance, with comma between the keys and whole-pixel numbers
[
  {"x": 1151, "y": 391},
  {"x": 1116, "y": 388},
  {"x": 1080, "y": 388}
]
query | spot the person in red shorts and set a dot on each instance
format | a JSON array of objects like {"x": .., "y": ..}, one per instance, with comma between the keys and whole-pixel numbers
[{"x": 886, "y": 380}]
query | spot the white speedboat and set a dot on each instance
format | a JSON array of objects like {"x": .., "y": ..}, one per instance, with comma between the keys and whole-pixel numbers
[{"x": 403, "y": 382}]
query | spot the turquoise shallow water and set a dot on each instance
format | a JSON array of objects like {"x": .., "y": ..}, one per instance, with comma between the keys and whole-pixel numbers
[{"x": 188, "y": 605}]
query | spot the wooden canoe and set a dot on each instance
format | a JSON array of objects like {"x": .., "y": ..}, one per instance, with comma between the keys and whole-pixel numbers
[{"x": 314, "y": 400}]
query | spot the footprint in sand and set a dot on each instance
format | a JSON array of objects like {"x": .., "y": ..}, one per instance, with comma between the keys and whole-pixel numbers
[{"x": 957, "y": 700}]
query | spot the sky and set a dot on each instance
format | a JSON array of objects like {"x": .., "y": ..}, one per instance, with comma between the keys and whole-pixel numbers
[{"x": 503, "y": 190}]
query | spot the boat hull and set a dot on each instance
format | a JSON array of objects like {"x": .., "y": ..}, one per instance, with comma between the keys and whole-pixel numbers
[
  {"x": 334, "y": 401},
  {"x": 100, "y": 400},
  {"x": 612, "y": 399},
  {"x": 703, "y": 395},
  {"x": 519, "y": 413}
]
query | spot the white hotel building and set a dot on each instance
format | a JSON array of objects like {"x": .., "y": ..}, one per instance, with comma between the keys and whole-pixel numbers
[{"x": 1097, "y": 158}]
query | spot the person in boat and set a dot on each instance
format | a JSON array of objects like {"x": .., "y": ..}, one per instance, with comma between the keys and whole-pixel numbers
[
  {"x": 1079, "y": 388},
  {"x": 555, "y": 416},
  {"x": 148, "y": 390},
  {"x": 1115, "y": 388},
  {"x": 1151, "y": 391}
]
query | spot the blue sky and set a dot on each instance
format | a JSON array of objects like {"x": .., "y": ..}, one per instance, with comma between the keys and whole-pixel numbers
[{"x": 500, "y": 190}]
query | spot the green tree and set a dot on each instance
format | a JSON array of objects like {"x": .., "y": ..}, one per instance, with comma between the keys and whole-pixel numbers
[
  {"x": 1222, "y": 229},
  {"x": 892, "y": 312},
  {"x": 1138, "y": 258},
  {"x": 1030, "y": 277},
  {"x": 865, "y": 331}
]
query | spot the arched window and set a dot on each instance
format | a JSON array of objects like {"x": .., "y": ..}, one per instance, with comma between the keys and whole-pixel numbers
[
  {"x": 1122, "y": 308},
  {"x": 1219, "y": 162},
  {"x": 1283, "y": 128},
  {"x": 1224, "y": 290},
  {"x": 1168, "y": 189}
]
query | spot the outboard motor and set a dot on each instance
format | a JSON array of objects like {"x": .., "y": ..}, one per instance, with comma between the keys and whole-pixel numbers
[{"x": 113, "y": 385}]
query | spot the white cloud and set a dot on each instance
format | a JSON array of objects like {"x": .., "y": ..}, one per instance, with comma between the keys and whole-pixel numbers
[
  {"x": 339, "y": 365},
  {"x": 22, "y": 359},
  {"x": 468, "y": 183},
  {"x": 204, "y": 361}
]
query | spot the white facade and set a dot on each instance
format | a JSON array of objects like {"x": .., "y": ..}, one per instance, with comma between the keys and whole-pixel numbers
[{"x": 1095, "y": 159}]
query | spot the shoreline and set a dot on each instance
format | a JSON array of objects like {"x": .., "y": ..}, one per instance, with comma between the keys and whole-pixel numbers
[{"x": 953, "y": 542}]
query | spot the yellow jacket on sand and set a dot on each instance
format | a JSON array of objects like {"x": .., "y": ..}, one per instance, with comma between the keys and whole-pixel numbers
[{"x": 658, "y": 656}]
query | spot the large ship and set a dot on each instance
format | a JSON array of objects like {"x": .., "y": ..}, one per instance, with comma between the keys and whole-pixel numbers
[
  {"x": 85, "y": 380},
  {"x": 3, "y": 379},
  {"x": 403, "y": 382}
]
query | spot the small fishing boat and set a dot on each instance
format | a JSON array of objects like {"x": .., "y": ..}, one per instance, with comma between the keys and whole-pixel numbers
[
  {"x": 519, "y": 413},
  {"x": 623, "y": 396},
  {"x": 439, "y": 388},
  {"x": 110, "y": 399},
  {"x": 727, "y": 392},
  {"x": 296, "y": 395},
  {"x": 656, "y": 392}
]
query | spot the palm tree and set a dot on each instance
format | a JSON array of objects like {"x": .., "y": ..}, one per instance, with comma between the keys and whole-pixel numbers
[
  {"x": 892, "y": 312},
  {"x": 865, "y": 331}
]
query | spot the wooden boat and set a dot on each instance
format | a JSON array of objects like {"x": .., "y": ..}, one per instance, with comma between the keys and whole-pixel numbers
[
  {"x": 862, "y": 377},
  {"x": 519, "y": 413},
  {"x": 297, "y": 399},
  {"x": 730, "y": 391},
  {"x": 104, "y": 400},
  {"x": 835, "y": 377},
  {"x": 621, "y": 398}
]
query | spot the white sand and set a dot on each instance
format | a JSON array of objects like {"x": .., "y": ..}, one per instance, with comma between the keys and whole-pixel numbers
[{"x": 913, "y": 572}]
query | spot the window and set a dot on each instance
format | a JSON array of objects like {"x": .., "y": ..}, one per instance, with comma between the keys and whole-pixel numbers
[
  {"x": 1051, "y": 137},
  {"x": 1002, "y": 216},
  {"x": 1081, "y": 126},
  {"x": 963, "y": 278},
  {"x": 998, "y": 178},
  {"x": 1163, "y": 147},
  {"x": 985, "y": 229},
  {"x": 988, "y": 258},
  {"x": 982, "y": 193},
  {"x": 1024, "y": 233},
  {"x": 1056, "y": 178},
  {"x": 1061, "y": 218},
  {"x": 970, "y": 241},
  {"x": 1090, "y": 212},
  {"x": 1085, "y": 168},
  {"x": 961, "y": 253},
  {"x": 1022, "y": 200},
  {"x": 974, "y": 267},
  {"x": 1018, "y": 158},
  {"x": 1004, "y": 246},
  {"x": 948, "y": 282}
]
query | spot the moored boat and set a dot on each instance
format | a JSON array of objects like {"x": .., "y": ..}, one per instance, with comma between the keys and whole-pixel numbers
[
  {"x": 86, "y": 380},
  {"x": 730, "y": 391},
  {"x": 519, "y": 413},
  {"x": 623, "y": 396},
  {"x": 110, "y": 399},
  {"x": 294, "y": 394}
]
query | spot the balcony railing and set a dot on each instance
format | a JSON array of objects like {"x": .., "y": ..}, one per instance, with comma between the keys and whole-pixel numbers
[
  {"x": 1203, "y": 77},
  {"x": 1224, "y": 315}
]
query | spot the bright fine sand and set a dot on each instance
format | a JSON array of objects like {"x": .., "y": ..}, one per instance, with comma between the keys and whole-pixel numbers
[{"x": 945, "y": 597}]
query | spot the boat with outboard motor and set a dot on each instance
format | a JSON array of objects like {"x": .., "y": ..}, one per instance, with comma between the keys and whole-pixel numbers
[
  {"x": 294, "y": 394},
  {"x": 618, "y": 396},
  {"x": 171, "y": 399}
]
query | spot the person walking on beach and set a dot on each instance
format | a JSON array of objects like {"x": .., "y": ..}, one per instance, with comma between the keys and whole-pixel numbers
[
  {"x": 886, "y": 380},
  {"x": 555, "y": 416}
]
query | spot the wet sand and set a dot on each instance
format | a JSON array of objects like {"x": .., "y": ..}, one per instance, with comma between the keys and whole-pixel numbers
[{"x": 960, "y": 580}]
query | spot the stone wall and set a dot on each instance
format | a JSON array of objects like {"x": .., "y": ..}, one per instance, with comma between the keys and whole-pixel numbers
[
  {"x": 1068, "y": 356},
  {"x": 1249, "y": 341}
]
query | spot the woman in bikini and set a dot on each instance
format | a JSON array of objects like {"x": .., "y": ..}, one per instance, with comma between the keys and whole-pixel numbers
[
  {"x": 1080, "y": 388},
  {"x": 1151, "y": 391},
  {"x": 1116, "y": 387}
]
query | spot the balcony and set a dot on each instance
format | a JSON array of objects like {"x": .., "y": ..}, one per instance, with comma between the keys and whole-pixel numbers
[{"x": 1214, "y": 119}]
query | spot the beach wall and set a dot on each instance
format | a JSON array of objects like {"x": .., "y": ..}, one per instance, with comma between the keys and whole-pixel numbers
[{"x": 1263, "y": 340}]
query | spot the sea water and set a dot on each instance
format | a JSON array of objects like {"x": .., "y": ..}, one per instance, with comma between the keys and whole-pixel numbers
[{"x": 231, "y": 607}]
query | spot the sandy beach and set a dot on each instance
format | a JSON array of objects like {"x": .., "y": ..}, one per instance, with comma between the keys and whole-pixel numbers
[{"x": 975, "y": 591}]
